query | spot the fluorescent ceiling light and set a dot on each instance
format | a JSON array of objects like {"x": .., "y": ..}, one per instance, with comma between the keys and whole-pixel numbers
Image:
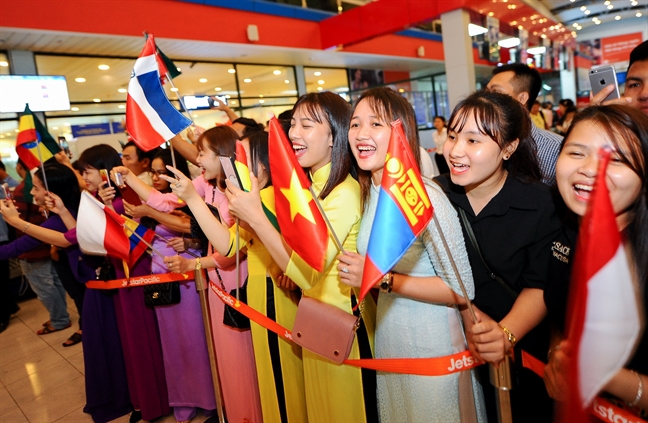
[
  {"x": 476, "y": 30},
  {"x": 536, "y": 50},
  {"x": 509, "y": 42}
]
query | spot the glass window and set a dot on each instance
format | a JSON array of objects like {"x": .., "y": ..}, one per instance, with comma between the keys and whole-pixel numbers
[
  {"x": 261, "y": 109},
  {"x": 266, "y": 81},
  {"x": 4, "y": 64},
  {"x": 326, "y": 79},
  {"x": 8, "y": 132}
]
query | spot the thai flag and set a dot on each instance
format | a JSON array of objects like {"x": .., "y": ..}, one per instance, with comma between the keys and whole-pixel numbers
[
  {"x": 100, "y": 231},
  {"x": 151, "y": 119},
  {"x": 603, "y": 320},
  {"x": 403, "y": 211}
]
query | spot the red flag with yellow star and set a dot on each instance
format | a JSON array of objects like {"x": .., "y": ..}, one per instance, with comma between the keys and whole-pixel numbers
[{"x": 301, "y": 222}]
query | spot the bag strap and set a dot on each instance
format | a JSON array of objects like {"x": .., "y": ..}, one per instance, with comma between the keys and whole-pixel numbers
[{"x": 473, "y": 241}]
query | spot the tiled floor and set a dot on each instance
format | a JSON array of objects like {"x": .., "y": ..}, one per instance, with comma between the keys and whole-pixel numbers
[{"x": 41, "y": 381}]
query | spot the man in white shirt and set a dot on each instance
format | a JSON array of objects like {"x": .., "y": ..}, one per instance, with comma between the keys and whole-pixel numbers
[{"x": 138, "y": 161}]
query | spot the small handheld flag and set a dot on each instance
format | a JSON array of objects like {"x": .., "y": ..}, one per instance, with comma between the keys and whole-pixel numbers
[
  {"x": 33, "y": 141},
  {"x": 139, "y": 237},
  {"x": 403, "y": 211},
  {"x": 100, "y": 231},
  {"x": 151, "y": 119},
  {"x": 242, "y": 169},
  {"x": 301, "y": 222}
]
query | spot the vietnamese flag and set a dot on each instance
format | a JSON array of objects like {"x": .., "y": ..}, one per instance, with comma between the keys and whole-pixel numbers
[
  {"x": 403, "y": 211},
  {"x": 32, "y": 137},
  {"x": 242, "y": 169},
  {"x": 301, "y": 222},
  {"x": 603, "y": 320}
]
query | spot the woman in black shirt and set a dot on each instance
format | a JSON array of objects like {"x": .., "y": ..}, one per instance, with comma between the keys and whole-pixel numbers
[{"x": 494, "y": 184}]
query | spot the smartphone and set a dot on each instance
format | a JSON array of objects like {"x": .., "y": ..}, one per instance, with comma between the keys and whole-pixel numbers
[
  {"x": 602, "y": 76},
  {"x": 7, "y": 191},
  {"x": 64, "y": 145},
  {"x": 105, "y": 177},
  {"x": 229, "y": 168},
  {"x": 212, "y": 103},
  {"x": 130, "y": 195}
]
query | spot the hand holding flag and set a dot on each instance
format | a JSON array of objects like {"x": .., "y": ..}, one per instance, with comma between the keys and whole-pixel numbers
[
  {"x": 100, "y": 230},
  {"x": 403, "y": 211},
  {"x": 300, "y": 220}
]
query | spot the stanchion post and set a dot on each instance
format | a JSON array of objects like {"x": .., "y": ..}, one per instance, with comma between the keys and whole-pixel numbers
[
  {"x": 202, "y": 284},
  {"x": 502, "y": 381}
]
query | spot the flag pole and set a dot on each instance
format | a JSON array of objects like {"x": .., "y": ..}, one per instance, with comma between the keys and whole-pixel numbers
[
  {"x": 144, "y": 241},
  {"x": 40, "y": 157},
  {"x": 328, "y": 222},
  {"x": 238, "y": 274}
]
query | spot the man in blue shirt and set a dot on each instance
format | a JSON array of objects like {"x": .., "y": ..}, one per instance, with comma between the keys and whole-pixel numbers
[{"x": 5, "y": 178}]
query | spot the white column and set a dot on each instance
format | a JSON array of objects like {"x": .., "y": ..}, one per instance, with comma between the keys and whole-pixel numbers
[{"x": 458, "y": 53}]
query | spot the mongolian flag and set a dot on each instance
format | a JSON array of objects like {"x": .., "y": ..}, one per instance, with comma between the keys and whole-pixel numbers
[
  {"x": 32, "y": 137},
  {"x": 151, "y": 119},
  {"x": 403, "y": 211},
  {"x": 100, "y": 231},
  {"x": 138, "y": 244},
  {"x": 301, "y": 222},
  {"x": 603, "y": 320},
  {"x": 242, "y": 169}
]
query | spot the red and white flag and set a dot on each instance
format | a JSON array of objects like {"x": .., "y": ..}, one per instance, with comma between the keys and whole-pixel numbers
[
  {"x": 100, "y": 231},
  {"x": 603, "y": 320}
]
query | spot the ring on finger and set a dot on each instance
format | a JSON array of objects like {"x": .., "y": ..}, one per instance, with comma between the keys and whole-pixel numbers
[{"x": 345, "y": 270}]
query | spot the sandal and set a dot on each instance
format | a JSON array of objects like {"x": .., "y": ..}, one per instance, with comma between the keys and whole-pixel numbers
[
  {"x": 73, "y": 340},
  {"x": 49, "y": 329},
  {"x": 46, "y": 323}
]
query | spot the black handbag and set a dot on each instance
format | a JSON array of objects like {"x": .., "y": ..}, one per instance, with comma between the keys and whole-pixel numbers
[
  {"x": 106, "y": 272},
  {"x": 162, "y": 294},
  {"x": 232, "y": 317}
]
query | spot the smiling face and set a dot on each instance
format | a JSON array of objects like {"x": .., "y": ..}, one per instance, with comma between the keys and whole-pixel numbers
[
  {"x": 369, "y": 140},
  {"x": 38, "y": 191},
  {"x": 311, "y": 141},
  {"x": 158, "y": 168},
  {"x": 577, "y": 166},
  {"x": 637, "y": 86},
  {"x": 92, "y": 178},
  {"x": 475, "y": 159},
  {"x": 209, "y": 164}
]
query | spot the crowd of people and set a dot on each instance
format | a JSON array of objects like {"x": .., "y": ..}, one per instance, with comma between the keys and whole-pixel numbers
[{"x": 507, "y": 202}]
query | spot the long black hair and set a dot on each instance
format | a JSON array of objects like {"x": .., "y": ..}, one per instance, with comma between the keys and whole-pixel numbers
[
  {"x": 330, "y": 108},
  {"x": 101, "y": 156},
  {"x": 222, "y": 141},
  {"x": 504, "y": 119},
  {"x": 259, "y": 154},
  {"x": 62, "y": 181}
]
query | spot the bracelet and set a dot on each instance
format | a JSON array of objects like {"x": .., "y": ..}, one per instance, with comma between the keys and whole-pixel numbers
[
  {"x": 387, "y": 282},
  {"x": 639, "y": 391},
  {"x": 509, "y": 335},
  {"x": 198, "y": 263},
  {"x": 25, "y": 228},
  {"x": 551, "y": 351}
]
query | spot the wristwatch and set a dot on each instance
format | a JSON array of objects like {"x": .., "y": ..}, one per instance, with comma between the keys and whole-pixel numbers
[
  {"x": 509, "y": 334},
  {"x": 387, "y": 282},
  {"x": 198, "y": 263}
]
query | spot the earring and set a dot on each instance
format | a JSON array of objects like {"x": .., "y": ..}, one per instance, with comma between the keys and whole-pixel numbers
[{"x": 506, "y": 157}]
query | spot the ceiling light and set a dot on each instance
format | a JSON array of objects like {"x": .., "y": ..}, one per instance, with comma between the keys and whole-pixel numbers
[
  {"x": 231, "y": 70},
  {"x": 96, "y": 100},
  {"x": 606, "y": 2},
  {"x": 536, "y": 50},
  {"x": 575, "y": 24},
  {"x": 261, "y": 101},
  {"x": 2, "y": 136},
  {"x": 319, "y": 88},
  {"x": 227, "y": 96},
  {"x": 203, "y": 80},
  {"x": 67, "y": 124},
  {"x": 179, "y": 70},
  {"x": 55, "y": 128},
  {"x": 321, "y": 81},
  {"x": 543, "y": 36},
  {"x": 535, "y": 32},
  {"x": 520, "y": 27},
  {"x": 261, "y": 95},
  {"x": 174, "y": 89},
  {"x": 476, "y": 30},
  {"x": 80, "y": 79},
  {"x": 276, "y": 72},
  {"x": 15, "y": 130},
  {"x": 401, "y": 90},
  {"x": 121, "y": 106},
  {"x": 122, "y": 90},
  {"x": 513, "y": 23},
  {"x": 610, "y": 7},
  {"x": 287, "y": 81},
  {"x": 217, "y": 89},
  {"x": 617, "y": 17},
  {"x": 587, "y": 12},
  {"x": 509, "y": 42},
  {"x": 247, "y": 80},
  {"x": 583, "y": 8},
  {"x": 633, "y": 3},
  {"x": 75, "y": 109},
  {"x": 491, "y": 14},
  {"x": 598, "y": 22},
  {"x": 103, "y": 67},
  {"x": 4, "y": 63},
  {"x": 638, "y": 14},
  {"x": 233, "y": 102},
  {"x": 318, "y": 73}
]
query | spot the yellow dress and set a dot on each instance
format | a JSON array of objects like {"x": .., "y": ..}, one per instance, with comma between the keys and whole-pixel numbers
[
  {"x": 278, "y": 363},
  {"x": 336, "y": 393}
]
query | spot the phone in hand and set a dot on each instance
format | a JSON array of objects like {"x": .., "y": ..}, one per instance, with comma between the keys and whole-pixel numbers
[
  {"x": 7, "y": 191},
  {"x": 229, "y": 168},
  {"x": 105, "y": 177},
  {"x": 65, "y": 146},
  {"x": 129, "y": 195},
  {"x": 602, "y": 76},
  {"x": 212, "y": 103}
]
